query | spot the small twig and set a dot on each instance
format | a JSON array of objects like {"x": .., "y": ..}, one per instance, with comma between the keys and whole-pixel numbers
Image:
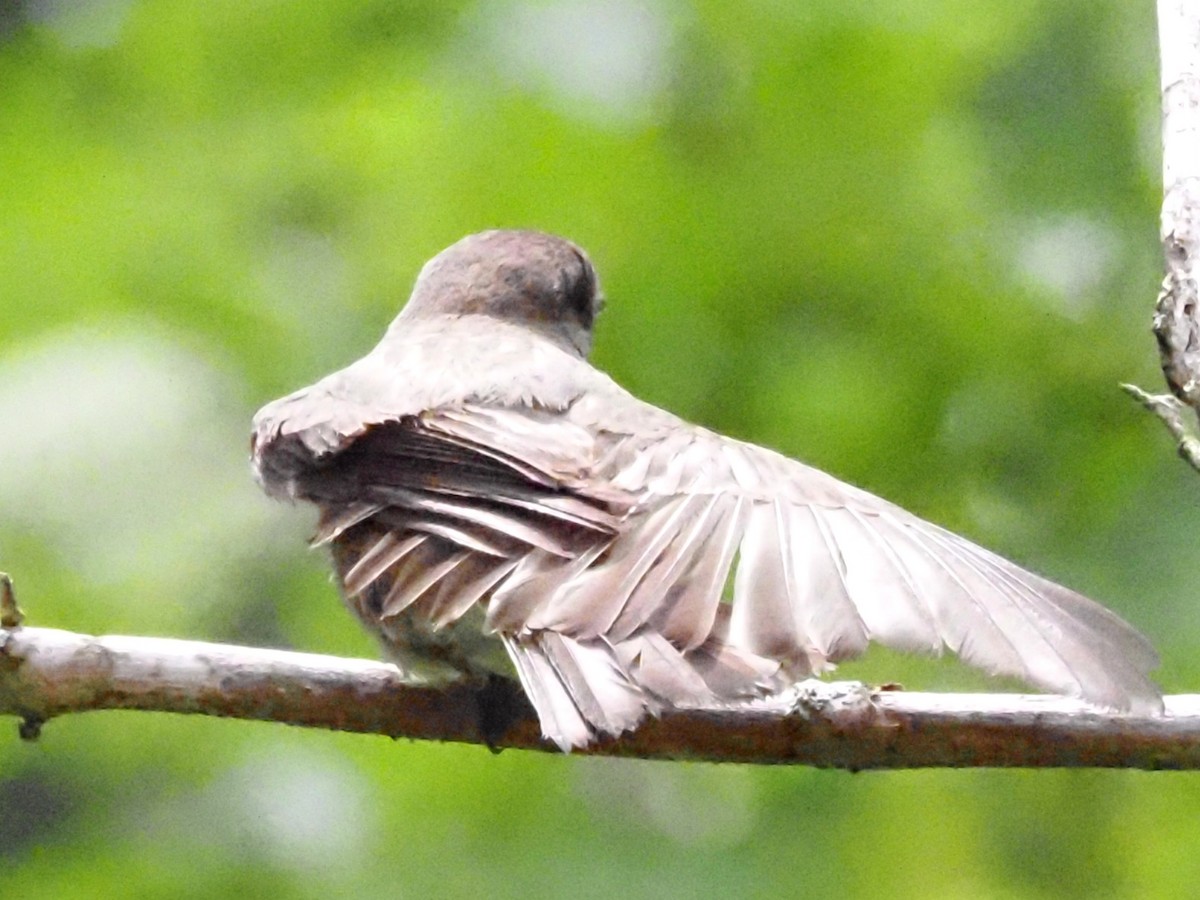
[
  {"x": 10, "y": 614},
  {"x": 1170, "y": 411},
  {"x": 46, "y": 673}
]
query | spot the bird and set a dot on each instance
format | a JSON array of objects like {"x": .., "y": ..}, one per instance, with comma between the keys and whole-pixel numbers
[{"x": 497, "y": 508}]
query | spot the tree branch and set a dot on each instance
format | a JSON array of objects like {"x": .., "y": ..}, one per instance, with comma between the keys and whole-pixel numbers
[
  {"x": 46, "y": 673},
  {"x": 1176, "y": 321}
]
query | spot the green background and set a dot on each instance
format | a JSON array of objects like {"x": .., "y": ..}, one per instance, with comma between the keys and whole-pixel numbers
[{"x": 912, "y": 242}]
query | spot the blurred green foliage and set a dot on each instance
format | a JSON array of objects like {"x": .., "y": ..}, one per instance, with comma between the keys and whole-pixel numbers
[{"x": 913, "y": 242}]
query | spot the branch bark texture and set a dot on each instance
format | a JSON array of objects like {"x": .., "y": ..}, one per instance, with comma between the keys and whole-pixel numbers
[
  {"x": 46, "y": 673},
  {"x": 1177, "y": 317},
  {"x": 1177, "y": 313}
]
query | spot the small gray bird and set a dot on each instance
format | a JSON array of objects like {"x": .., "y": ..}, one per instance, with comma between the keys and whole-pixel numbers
[{"x": 498, "y": 507}]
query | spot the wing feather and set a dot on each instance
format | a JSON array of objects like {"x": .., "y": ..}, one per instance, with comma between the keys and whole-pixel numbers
[
  {"x": 386, "y": 552},
  {"x": 656, "y": 665},
  {"x": 601, "y": 689},
  {"x": 695, "y": 523},
  {"x": 591, "y": 603},
  {"x": 889, "y": 604},
  {"x": 468, "y": 586},
  {"x": 763, "y": 619},
  {"x": 816, "y": 578},
  {"x": 536, "y": 582},
  {"x": 336, "y": 519},
  {"x": 557, "y": 709},
  {"x": 690, "y": 608},
  {"x": 407, "y": 591}
]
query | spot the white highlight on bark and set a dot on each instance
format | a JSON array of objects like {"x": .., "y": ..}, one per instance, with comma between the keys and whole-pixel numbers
[{"x": 1179, "y": 40}]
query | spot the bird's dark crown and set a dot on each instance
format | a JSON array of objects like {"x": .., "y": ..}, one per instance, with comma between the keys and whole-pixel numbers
[{"x": 525, "y": 277}]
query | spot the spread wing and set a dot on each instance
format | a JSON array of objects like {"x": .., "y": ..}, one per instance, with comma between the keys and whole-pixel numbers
[{"x": 632, "y": 568}]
